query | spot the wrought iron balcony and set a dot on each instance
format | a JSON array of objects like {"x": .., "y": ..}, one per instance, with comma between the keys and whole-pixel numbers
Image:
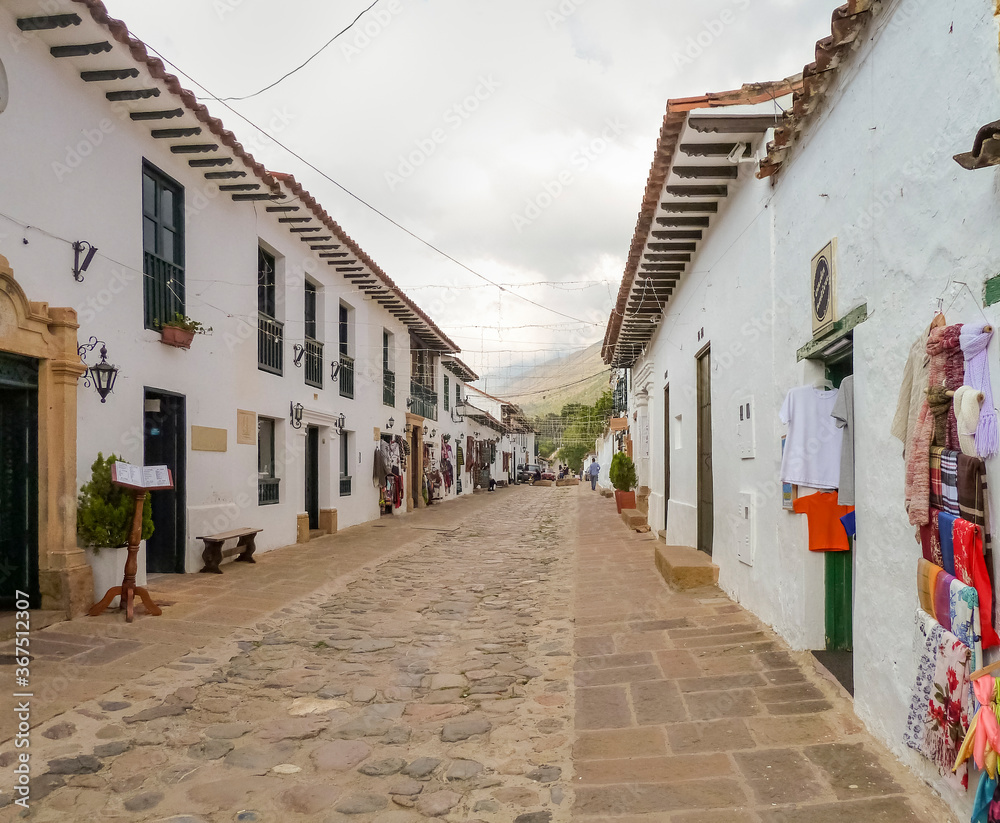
[
  {"x": 346, "y": 376},
  {"x": 314, "y": 363},
  {"x": 388, "y": 388},
  {"x": 270, "y": 344},
  {"x": 345, "y": 486},
  {"x": 267, "y": 490},
  {"x": 425, "y": 400},
  {"x": 163, "y": 290}
]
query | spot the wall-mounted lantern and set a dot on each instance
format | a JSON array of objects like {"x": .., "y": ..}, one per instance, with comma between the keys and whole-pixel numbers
[
  {"x": 102, "y": 375},
  {"x": 79, "y": 267},
  {"x": 340, "y": 423},
  {"x": 389, "y": 425},
  {"x": 295, "y": 411},
  {"x": 426, "y": 430}
]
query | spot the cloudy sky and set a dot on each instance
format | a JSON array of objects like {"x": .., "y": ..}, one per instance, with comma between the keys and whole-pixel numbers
[{"x": 516, "y": 136}]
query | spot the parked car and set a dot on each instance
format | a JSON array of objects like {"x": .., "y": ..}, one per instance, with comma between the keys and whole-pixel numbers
[
  {"x": 547, "y": 475},
  {"x": 527, "y": 472}
]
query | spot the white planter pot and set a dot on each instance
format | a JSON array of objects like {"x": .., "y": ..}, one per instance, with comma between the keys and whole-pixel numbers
[{"x": 108, "y": 566}]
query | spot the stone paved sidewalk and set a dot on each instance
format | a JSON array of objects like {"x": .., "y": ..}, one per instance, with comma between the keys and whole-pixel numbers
[
  {"x": 688, "y": 709},
  {"x": 432, "y": 685},
  {"x": 509, "y": 658}
]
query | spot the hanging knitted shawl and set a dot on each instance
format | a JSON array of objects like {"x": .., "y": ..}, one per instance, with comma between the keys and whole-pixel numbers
[
  {"x": 974, "y": 341},
  {"x": 918, "y": 485},
  {"x": 940, "y": 404},
  {"x": 954, "y": 376}
]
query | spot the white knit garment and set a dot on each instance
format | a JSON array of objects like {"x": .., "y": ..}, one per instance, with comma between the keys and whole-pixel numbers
[{"x": 966, "y": 404}]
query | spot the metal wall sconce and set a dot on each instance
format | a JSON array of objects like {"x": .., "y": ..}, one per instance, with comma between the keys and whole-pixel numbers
[
  {"x": 295, "y": 411},
  {"x": 389, "y": 425},
  {"x": 340, "y": 423},
  {"x": 407, "y": 428},
  {"x": 425, "y": 431},
  {"x": 79, "y": 267},
  {"x": 409, "y": 402},
  {"x": 102, "y": 375},
  {"x": 334, "y": 369},
  {"x": 476, "y": 435},
  {"x": 434, "y": 432},
  {"x": 297, "y": 351}
]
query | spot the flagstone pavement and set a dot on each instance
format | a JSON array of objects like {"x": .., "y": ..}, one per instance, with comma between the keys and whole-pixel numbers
[{"x": 511, "y": 656}]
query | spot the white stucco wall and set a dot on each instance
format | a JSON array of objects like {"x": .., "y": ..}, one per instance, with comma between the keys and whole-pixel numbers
[
  {"x": 71, "y": 168},
  {"x": 874, "y": 169}
]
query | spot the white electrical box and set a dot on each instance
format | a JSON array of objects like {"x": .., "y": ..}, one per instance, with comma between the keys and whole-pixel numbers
[
  {"x": 745, "y": 440},
  {"x": 744, "y": 527}
]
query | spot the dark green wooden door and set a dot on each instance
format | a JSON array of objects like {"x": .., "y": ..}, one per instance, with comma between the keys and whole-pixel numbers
[
  {"x": 18, "y": 480},
  {"x": 706, "y": 493},
  {"x": 312, "y": 476},
  {"x": 840, "y": 565}
]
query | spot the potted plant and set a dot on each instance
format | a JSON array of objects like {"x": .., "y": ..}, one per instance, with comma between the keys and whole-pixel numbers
[
  {"x": 104, "y": 514},
  {"x": 624, "y": 479},
  {"x": 180, "y": 331}
]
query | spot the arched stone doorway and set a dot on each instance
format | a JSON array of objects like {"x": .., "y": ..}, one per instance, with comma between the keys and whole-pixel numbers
[{"x": 39, "y": 370}]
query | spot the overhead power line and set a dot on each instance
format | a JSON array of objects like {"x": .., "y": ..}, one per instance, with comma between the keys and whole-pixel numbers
[{"x": 303, "y": 65}]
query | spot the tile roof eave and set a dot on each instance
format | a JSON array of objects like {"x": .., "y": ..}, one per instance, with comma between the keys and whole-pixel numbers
[
  {"x": 157, "y": 69},
  {"x": 670, "y": 132},
  {"x": 313, "y": 205}
]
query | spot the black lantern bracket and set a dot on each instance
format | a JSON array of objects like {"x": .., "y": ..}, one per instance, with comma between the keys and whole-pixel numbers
[
  {"x": 295, "y": 414},
  {"x": 80, "y": 266},
  {"x": 297, "y": 351},
  {"x": 101, "y": 375}
]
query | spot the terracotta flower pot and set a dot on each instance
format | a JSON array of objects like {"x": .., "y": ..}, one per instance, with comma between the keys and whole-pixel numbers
[
  {"x": 624, "y": 500},
  {"x": 174, "y": 336}
]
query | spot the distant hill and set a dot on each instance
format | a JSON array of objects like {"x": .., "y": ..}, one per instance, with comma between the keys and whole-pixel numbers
[{"x": 578, "y": 377}]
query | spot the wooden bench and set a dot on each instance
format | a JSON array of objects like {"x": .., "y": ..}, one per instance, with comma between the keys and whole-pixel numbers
[{"x": 213, "y": 547}]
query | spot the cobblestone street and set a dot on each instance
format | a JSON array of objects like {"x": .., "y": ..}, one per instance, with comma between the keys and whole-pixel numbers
[{"x": 510, "y": 657}]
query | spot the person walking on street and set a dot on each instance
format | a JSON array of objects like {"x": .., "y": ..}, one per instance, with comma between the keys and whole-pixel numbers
[{"x": 593, "y": 470}]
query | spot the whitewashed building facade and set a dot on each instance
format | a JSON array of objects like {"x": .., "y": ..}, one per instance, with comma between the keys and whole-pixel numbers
[
  {"x": 713, "y": 319},
  {"x": 271, "y": 420}
]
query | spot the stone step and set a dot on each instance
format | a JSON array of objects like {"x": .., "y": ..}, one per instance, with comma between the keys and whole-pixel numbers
[
  {"x": 314, "y": 533},
  {"x": 634, "y": 519},
  {"x": 684, "y": 567},
  {"x": 606, "y": 492}
]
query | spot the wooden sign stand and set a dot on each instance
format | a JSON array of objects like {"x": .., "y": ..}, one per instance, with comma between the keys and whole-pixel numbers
[{"x": 128, "y": 590}]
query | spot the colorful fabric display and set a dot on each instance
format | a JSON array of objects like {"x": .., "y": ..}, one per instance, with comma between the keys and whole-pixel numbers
[
  {"x": 942, "y": 600},
  {"x": 974, "y": 339},
  {"x": 966, "y": 619},
  {"x": 946, "y": 534},
  {"x": 917, "y": 482},
  {"x": 850, "y": 523},
  {"x": 940, "y": 405},
  {"x": 970, "y": 568},
  {"x": 930, "y": 540},
  {"x": 911, "y": 393},
  {"x": 938, "y": 718},
  {"x": 943, "y": 479},
  {"x": 843, "y": 414},
  {"x": 973, "y": 499},
  {"x": 982, "y": 740},
  {"x": 927, "y": 575},
  {"x": 954, "y": 377},
  {"x": 966, "y": 404},
  {"x": 826, "y": 532}
]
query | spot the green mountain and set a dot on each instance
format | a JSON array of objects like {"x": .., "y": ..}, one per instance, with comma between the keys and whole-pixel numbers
[{"x": 578, "y": 377}]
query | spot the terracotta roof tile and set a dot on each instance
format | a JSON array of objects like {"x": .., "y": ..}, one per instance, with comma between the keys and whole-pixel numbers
[{"x": 847, "y": 24}]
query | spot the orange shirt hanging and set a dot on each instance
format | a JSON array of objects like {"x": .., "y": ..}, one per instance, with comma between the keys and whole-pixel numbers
[{"x": 826, "y": 532}]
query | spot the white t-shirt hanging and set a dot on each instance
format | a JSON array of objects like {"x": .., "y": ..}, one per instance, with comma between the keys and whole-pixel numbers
[{"x": 813, "y": 444}]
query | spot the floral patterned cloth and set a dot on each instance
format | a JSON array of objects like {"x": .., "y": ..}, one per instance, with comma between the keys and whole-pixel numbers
[
  {"x": 939, "y": 707},
  {"x": 966, "y": 622}
]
